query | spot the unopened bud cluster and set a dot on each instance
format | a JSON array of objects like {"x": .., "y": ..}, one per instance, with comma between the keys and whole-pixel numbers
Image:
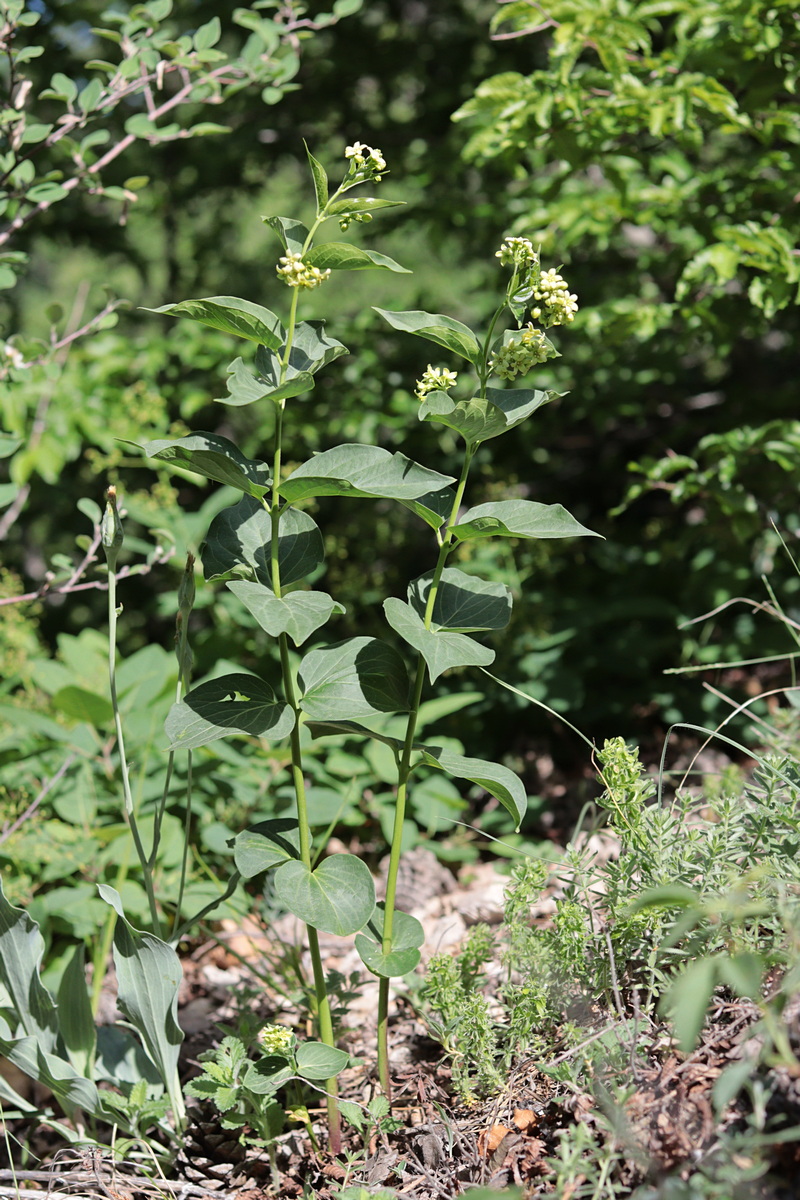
[
  {"x": 435, "y": 379},
  {"x": 521, "y": 353},
  {"x": 556, "y": 306},
  {"x": 367, "y": 160},
  {"x": 346, "y": 219},
  {"x": 296, "y": 273},
  {"x": 517, "y": 252},
  {"x": 276, "y": 1039}
]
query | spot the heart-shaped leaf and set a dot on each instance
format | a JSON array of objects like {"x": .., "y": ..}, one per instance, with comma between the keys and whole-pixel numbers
[
  {"x": 463, "y": 602},
  {"x": 233, "y": 704},
  {"x": 214, "y": 457},
  {"x": 268, "y": 1074},
  {"x": 315, "y": 1060},
  {"x": 436, "y": 328},
  {"x": 341, "y": 256},
  {"x": 519, "y": 518},
  {"x": 356, "y": 470},
  {"x": 238, "y": 543},
  {"x": 231, "y": 315},
  {"x": 356, "y": 678},
  {"x": 265, "y": 845},
  {"x": 338, "y": 897},
  {"x": 247, "y": 387},
  {"x": 407, "y": 937},
  {"x": 299, "y": 614},
  {"x": 495, "y": 778},
  {"x": 440, "y": 649}
]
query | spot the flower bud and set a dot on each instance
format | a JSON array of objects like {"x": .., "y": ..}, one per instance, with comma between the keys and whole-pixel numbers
[
  {"x": 186, "y": 588},
  {"x": 111, "y": 527}
]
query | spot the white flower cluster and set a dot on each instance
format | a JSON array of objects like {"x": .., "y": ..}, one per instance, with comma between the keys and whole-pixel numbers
[
  {"x": 275, "y": 1039},
  {"x": 521, "y": 353},
  {"x": 295, "y": 273},
  {"x": 517, "y": 252},
  {"x": 366, "y": 159},
  {"x": 557, "y": 306},
  {"x": 435, "y": 379}
]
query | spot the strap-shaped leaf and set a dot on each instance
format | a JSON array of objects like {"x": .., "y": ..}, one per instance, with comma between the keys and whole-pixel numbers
[
  {"x": 247, "y": 387},
  {"x": 440, "y": 649},
  {"x": 76, "y": 1020},
  {"x": 338, "y": 897},
  {"x": 407, "y": 937},
  {"x": 238, "y": 543},
  {"x": 70, "y": 1088},
  {"x": 214, "y": 457},
  {"x": 316, "y": 1060},
  {"x": 25, "y": 1002},
  {"x": 356, "y": 470},
  {"x": 495, "y": 778},
  {"x": 265, "y": 845},
  {"x": 297, "y": 614},
  {"x": 293, "y": 234},
  {"x": 519, "y": 518},
  {"x": 478, "y": 419},
  {"x": 233, "y": 704},
  {"x": 436, "y": 328},
  {"x": 464, "y": 603},
  {"x": 148, "y": 976},
  {"x": 232, "y": 315},
  {"x": 341, "y": 256},
  {"x": 356, "y": 678}
]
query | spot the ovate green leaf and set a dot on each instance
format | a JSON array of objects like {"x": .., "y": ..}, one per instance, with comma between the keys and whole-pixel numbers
[
  {"x": 297, "y": 614},
  {"x": 338, "y": 897},
  {"x": 407, "y": 937},
  {"x": 356, "y": 678},
  {"x": 341, "y": 256},
  {"x": 233, "y": 704},
  {"x": 464, "y": 603},
  {"x": 440, "y": 649},
  {"x": 214, "y": 457},
  {"x": 436, "y": 328},
  {"x": 231, "y": 315},
  {"x": 519, "y": 518}
]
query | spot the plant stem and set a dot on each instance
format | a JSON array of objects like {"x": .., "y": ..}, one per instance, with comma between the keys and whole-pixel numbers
[
  {"x": 403, "y": 772},
  {"x": 126, "y": 784}
]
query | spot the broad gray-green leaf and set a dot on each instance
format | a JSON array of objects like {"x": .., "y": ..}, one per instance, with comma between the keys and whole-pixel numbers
[
  {"x": 315, "y": 1060},
  {"x": 297, "y": 614},
  {"x": 687, "y": 1001},
  {"x": 268, "y": 1074},
  {"x": 75, "y": 1017},
  {"x": 148, "y": 977},
  {"x": 495, "y": 778},
  {"x": 338, "y": 897},
  {"x": 444, "y": 331},
  {"x": 312, "y": 349},
  {"x": 215, "y": 710},
  {"x": 70, "y": 1088},
  {"x": 265, "y": 845},
  {"x": 519, "y": 518},
  {"x": 407, "y": 937},
  {"x": 356, "y": 470},
  {"x": 24, "y": 1000},
  {"x": 440, "y": 649},
  {"x": 214, "y": 457},
  {"x": 341, "y": 256},
  {"x": 231, "y": 315},
  {"x": 292, "y": 234},
  {"x": 464, "y": 603},
  {"x": 247, "y": 387},
  {"x": 356, "y": 678},
  {"x": 478, "y": 420},
  {"x": 238, "y": 543}
]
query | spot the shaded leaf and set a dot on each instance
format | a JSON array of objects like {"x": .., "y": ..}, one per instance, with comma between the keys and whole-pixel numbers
[
  {"x": 341, "y": 256},
  {"x": 443, "y": 330},
  {"x": 496, "y": 779},
  {"x": 519, "y": 518},
  {"x": 355, "y": 678},
  {"x": 463, "y": 602},
  {"x": 292, "y": 234},
  {"x": 247, "y": 387},
  {"x": 214, "y": 457},
  {"x": 75, "y": 1017},
  {"x": 214, "y": 710},
  {"x": 238, "y": 543},
  {"x": 478, "y": 420},
  {"x": 265, "y": 845},
  {"x": 338, "y": 897},
  {"x": 356, "y": 470},
  {"x": 298, "y": 614},
  {"x": 268, "y": 1074},
  {"x": 440, "y": 649},
  {"x": 407, "y": 937}
]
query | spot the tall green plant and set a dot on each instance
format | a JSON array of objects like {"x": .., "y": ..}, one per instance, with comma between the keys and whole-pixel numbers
[{"x": 265, "y": 545}]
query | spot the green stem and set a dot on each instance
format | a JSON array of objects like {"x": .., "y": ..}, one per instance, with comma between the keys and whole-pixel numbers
[
  {"x": 403, "y": 773},
  {"x": 126, "y": 783},
  {"x": 323, "y": 1008}
]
